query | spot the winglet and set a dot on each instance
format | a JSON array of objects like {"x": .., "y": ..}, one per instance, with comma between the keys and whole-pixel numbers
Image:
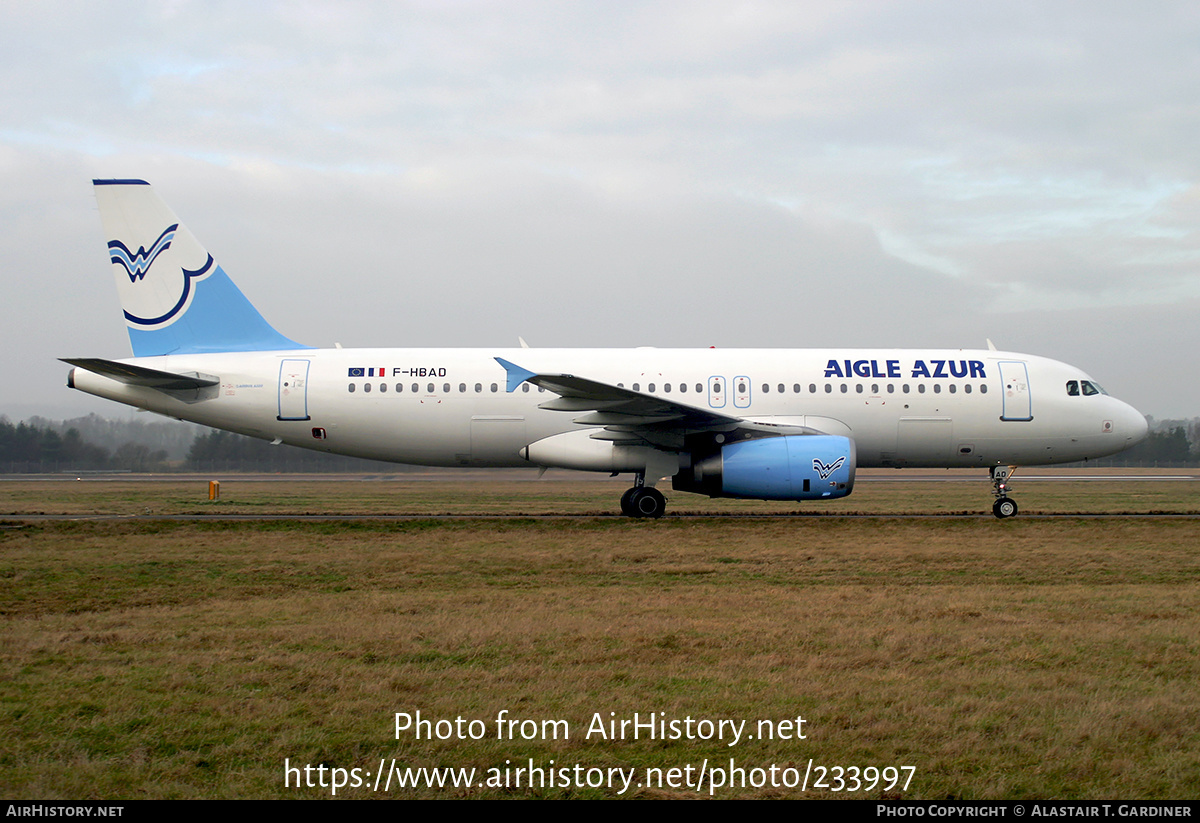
[{"x": 516, "y": 374}]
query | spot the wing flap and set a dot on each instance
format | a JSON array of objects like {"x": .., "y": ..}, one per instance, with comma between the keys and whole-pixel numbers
[{"x": 602, "y": 418}]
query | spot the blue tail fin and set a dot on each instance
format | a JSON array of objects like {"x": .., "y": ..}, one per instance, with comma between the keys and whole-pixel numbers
[{"x": 177, "y": 300}]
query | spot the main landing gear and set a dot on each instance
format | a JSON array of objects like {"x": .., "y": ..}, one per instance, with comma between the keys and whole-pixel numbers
[
  {"x": 1004, "y": 506},
  {"x": 643, "y": 500}
]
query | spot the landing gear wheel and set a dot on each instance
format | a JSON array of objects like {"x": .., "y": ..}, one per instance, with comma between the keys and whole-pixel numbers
[
  {"x": 643, "y": 501},
  {"x": 1004, "y": 507},
  {"x": 626, "y": 504}
]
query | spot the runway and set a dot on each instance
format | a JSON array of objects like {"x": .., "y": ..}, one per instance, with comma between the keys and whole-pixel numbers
[
  {"x": 531, "y": 476},
  {"x": 497, "y": 496},
  {"x": 16, "y": 520}
]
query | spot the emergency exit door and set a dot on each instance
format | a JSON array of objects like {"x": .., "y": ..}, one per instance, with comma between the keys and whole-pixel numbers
[
  {"x": 1015, "y": 377},
  {"x": 293, "y": 390}
]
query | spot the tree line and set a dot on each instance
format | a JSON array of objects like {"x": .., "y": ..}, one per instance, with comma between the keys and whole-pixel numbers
[
  {"x": 94, "y": 444},
  {"x": 1169, "y": 443},
  {"x": 40, "y": 446}
]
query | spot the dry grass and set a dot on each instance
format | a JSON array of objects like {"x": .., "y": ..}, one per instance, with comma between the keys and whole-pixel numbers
[
  {"x": 514, "y": 493},
  {"x": 1022, "y": 658}
]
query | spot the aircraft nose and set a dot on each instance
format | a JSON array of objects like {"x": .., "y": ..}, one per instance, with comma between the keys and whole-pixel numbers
[{"x": 1133, "y": 425}]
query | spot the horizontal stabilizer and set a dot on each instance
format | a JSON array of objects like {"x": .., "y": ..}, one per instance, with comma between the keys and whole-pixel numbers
[{"x": 142, "y": 376}]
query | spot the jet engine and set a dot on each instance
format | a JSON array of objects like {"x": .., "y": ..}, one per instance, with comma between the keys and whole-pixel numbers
[{"x": 794, "y": 467}]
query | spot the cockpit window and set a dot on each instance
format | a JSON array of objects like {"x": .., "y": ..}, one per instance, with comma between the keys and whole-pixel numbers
[
  {"x": 1073, "y": 388},
  {"x": 1090, "y": 388}
]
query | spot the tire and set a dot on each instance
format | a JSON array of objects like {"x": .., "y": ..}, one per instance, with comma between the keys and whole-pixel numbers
[
  {"x": 647, "y": 502},
  {"x": 626, "y": 502},
  {"x": 1004, "y": 507}
]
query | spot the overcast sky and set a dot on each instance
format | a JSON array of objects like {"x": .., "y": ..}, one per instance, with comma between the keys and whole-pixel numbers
[{"x": 787, "y": 174}]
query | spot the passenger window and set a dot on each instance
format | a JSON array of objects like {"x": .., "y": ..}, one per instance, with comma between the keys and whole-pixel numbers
[
  {"x": 766, "y": 388},
  {"x": 351, "y": 388},
  {"x": 874, "y": 388},
  {"x": 891, "y": 388},
  {"x": 667, "y": 388},
  {"x": 904, "y": 388},
  {"x": 967, "y": 388},
  {"x": 429, "y": 389},
  {"x": 843, "y": 388},
  {"x": 445, "y": 388},
  {"x": 828, "y": 388},
  {"x": 953, "y": 388},
  {"x": 812, "y": 388},
  {"x": 858, "y": 388},
  {"x": 478, "y": 388},
  {"x": 781, "y": 389},
  {"x": 795, "y": 388},
  {"x": 637, "y": 386},
  {"x": 937, "y": 388},
  {"x": 495, "y": 388},
  {"x": 650, "y": 388},
  {"x": 525, "y": 387},
  {"x": 983, "y": 388},
  {"x": 699, "y": 389},
  {"x": 462, "y": 387},
  {"x": 1072, "y": 388},
  {"x": 367, "y": 387},
  {"x": 416, "y": 388},
  {"x": 920, "y": 388},
  {"x": 383, "y": 387},
  {"x": 399, "y": 388}
]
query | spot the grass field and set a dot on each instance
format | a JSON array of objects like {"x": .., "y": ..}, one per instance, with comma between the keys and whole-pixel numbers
[
  {"x": 999, "y": 659},
  {"x": 513, "y": 493}
]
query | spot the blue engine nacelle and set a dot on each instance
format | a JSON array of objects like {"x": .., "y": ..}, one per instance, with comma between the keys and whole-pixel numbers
[{"x": 796, "y": 467}]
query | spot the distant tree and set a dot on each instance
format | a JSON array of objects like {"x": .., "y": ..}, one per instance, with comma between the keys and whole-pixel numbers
[
  {"x": 137, "y": 457},
  {"x": 31, "y": 448},
  {"x": 1161, "y": 447},
  {"x": 150, "y": 430}
]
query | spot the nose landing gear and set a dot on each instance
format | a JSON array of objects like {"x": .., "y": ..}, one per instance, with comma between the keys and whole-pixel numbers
[{"x": 1004, "y": 506}]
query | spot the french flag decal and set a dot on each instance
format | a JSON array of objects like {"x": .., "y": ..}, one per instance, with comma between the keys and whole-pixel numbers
[{"x": 358, "y": 371}]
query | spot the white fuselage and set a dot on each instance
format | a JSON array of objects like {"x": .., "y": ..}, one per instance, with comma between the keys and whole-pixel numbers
[{"x": 450, "y": 407}]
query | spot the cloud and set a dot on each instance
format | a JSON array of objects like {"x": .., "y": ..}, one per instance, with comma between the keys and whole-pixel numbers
[{"x": 665, "y": 172}]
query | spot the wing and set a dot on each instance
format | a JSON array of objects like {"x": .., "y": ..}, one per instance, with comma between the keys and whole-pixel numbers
[{"x": 630, "y": 417}]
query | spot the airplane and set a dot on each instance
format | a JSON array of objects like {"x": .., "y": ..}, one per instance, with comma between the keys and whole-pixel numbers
[{"x": 740, "y": 423}]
